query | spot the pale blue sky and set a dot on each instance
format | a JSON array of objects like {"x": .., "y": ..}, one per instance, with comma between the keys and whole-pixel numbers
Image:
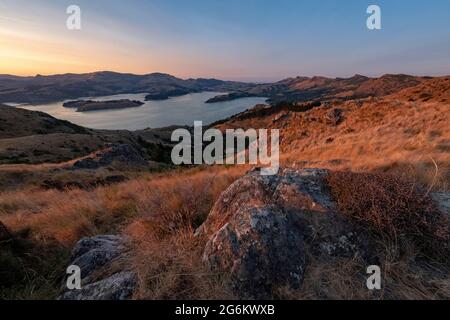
[{"x": 246, "y": 40}]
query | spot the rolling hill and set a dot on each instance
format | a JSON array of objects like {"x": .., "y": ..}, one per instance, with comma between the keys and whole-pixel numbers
[{"x": 44, "y": 89}]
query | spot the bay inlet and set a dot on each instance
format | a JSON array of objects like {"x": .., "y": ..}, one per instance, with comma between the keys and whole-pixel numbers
[{"x": 182, "y": 110}]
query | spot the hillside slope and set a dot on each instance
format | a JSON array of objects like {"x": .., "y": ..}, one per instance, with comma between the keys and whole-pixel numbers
[
  {"x": 302, "y": 89},
  {"x": 31, "y": 137},
  {"x": 362, "y": 134},
  {"x": 431, "y": 90},
  {"x": 16, "y": 122}
]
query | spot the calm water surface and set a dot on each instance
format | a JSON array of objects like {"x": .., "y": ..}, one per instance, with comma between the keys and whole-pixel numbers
[{"x": 182, "y": 110}]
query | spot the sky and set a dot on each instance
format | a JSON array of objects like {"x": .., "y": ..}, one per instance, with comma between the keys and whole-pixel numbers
[{"x": 249, "y": 40}]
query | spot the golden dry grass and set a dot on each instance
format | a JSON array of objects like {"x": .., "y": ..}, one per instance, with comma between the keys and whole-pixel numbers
[
  {"x": 375, "y": 133},
  {"x": 166, "y": 254},
  {"x": 394, "y": 207},
  {"x": 435, "y": 89},
  {"x": 65, "y": 216},
  {"x": 172, "y": 268},
  {"x": 160, "y": 211}
]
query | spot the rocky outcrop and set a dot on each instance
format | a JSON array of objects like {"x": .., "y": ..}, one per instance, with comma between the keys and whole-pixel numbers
[
  {"x": 121, "y": 155},
  {"x": 93, "y": 256},
  {"x": 90, "y": 254},
  {"x": 263, "y": 228},
  {"x": 119, "y": 286}
]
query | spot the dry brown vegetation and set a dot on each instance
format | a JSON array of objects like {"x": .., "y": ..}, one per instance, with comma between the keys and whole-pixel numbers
[
  {"x": 412, "y": 236},
  {"x": 160, "y": 212},
  {"x": 373, "y": 133},
  {"x": 403, "y": 144},
  {"x": 432, "y": 90},
  {"x": 156, "y": 211},
  {"x": 396, "y": 208},
  {"x": 377, "y": 138}
]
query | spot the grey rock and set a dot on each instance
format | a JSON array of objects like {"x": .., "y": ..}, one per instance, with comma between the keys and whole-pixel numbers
[
  {"x": 261, "y": 227},
  {"x": 119, "y": 286},
  {"x": 442, "y": 200},
  {"x": 260, "y": 247},
  {"x": 85, "y": 245},
  {"x": 90, "y": 254},
  {"x": 94, "y": 255}
]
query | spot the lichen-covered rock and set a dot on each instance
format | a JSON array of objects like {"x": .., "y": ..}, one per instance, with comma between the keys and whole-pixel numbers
[
  {"x": 90, "y": 254},
  {"x": 261, "y": 247},
  {"x": 119, "y": 286},
  {"x": 262, "y": 227},
  {"x": 94, "y": 256}
]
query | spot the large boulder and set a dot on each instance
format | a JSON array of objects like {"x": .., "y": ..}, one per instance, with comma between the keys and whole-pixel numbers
[
  {"x": 120, "y": 155},
  {"x": 90, "y": 254},
  {"x": 260, "y": 246},
  {"x": 94, "y": 256},
  {"x": 262, "y": 229}
]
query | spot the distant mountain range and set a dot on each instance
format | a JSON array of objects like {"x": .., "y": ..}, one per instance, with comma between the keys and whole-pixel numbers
[
  {"x": 301, "y": 89},
  {"x": 44, "y": 89}
]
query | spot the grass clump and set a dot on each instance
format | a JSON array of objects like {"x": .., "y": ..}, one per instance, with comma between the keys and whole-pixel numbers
[{"x": 396, "y": 209}]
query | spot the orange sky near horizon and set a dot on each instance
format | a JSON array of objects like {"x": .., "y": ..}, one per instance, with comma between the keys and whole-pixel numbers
[
  {"x": 27, "y": 53},
  {"x": 230, "y": 40},
  {"x": 41, "y": 44},
  {"x": 31, "y": 46}
]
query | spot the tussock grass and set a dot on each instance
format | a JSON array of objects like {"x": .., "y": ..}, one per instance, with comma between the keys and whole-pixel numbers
[
  {"x": 158, "y": 211},
  {"x": 166, "y": 254},
  {"x": 395, "y": 208},
  {"x": 411, "y": 241},
  {"x": 172, "y": 268}
]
